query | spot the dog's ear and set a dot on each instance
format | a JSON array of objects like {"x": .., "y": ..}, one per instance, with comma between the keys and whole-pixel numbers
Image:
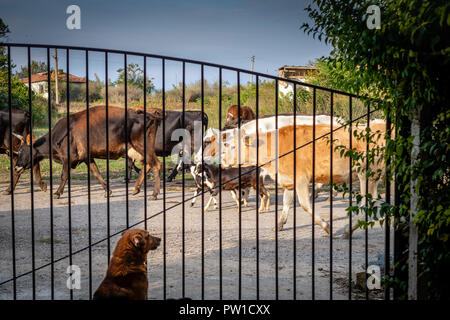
[{"x": 138, "y": 241}]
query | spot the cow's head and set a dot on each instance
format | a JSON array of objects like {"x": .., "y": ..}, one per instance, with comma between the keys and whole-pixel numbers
[
  {"x": 242, "y": 148},
  {"x": 152, "y": 114},
  {"x": 212, "y": 147},
  {"x": 24, "y": 155}
]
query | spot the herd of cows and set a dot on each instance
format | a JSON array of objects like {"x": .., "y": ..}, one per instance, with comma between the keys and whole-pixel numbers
[{"x": 261, "y": 147}]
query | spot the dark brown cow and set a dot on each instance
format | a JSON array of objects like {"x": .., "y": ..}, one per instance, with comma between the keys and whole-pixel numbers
[
  {"x": 118, "y": 133},
  {"x": 21, "y": 121},
  {"x": 231, "y": 118}
]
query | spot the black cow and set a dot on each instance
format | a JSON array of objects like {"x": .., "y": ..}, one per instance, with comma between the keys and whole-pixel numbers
[
  {"x": 173, "y": 121},
  {"x": 21, "y": 124},
  {"x": 119, "y": 135}
]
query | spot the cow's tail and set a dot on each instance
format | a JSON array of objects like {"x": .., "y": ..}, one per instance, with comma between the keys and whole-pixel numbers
[
  {"x": 205, "y": 122},
  {"x": 60, "y": 140}
]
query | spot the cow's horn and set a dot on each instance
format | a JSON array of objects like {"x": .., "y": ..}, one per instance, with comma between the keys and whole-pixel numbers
[{"x": 18, "y": 136}]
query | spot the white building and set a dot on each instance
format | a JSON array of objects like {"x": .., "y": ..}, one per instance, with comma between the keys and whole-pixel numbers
[
  {"x": 294, "y": 73},
  {"x": 39, "y": 81}
]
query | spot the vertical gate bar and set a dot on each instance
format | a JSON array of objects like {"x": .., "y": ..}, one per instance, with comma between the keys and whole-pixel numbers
[
  {"x": 366, "y": 233},
  {"x": 145, "y": 143},
  {"x": 49, "y": 110},
  {"x": 13, "y": 235},
  {"x": 164, "y": 173},
  {"x": 387, "y": 240},
  {"x": 400, "y": 242},
  {"x": 257, "y": 186},
  {"x": 294, "y": 249},
  {"x": 350, "y": 199},
  {"x": 239, "y": 189},
  {"x": 276, "y": 190},
  {"x": 203, "y": 189},
  {"x": 108, "y": 226},
  {"x": 331, "y": 196},
  {"x": 88, "y": 173},
  {"x": 69, "y": 185},
  {"x": 313, "y": 195},
  {"x": 126, "y": 140},
  {"x": 220, "y": 187},
  {"x": 30, "y": 132},
  {"x": 183, "y": 212}
]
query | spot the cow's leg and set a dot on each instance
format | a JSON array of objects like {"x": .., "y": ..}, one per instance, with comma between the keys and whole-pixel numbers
[
  {"x": 38, "y": 178},
  {"x": 215, "y": 203},
  {"x": 64, "y": 177},
  {"x": 317, "y": 187},
  {"x": 16, "y": 177},
  {"x": 346, "y": 233},
  {"x": 138, "y": 183},
  {"x": 303, "y": 199},
  {"x": 174, "y": 172},
  {"x": 209, "y": 202},
  {"x": 245, "y": 194},
  {"x": 94, "y": 169},
  {"x": 372, "y": 187},
  {"x": 265, "y": 199},
  {"x": 235, "y": 198},
  {"x": 195, "y": 196},
  {"x": 155, "y": 165},
  {"x": 156, "y": 172},
  {"x": 288, "y": 196},
  {"x": 130, "y": 166}
]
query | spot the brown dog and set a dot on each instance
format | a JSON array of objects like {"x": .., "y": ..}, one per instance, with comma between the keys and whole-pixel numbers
[{"x": 126, "y": 277}]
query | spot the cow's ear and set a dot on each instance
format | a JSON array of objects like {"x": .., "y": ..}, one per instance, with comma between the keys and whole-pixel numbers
[{"x": 29, "y": 139}]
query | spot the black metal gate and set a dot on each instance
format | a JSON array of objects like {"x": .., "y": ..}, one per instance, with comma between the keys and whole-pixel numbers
[{"x": 25, "y": 275}]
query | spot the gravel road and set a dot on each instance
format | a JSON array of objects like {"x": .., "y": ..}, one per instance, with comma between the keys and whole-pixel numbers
[{"x": 173, "y": 245}]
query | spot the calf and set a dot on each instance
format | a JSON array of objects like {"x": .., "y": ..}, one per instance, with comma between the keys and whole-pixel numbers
[
  {"x": 230, "y": 181},
  {"x": 198, "y": 183},
  {"x": 20, "y": 128},
  {"x": 120, "y": 133}
]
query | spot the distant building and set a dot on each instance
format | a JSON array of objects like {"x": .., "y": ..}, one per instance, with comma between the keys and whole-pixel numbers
[
  {"x": 294, "y": 73},
  {"x": 39, "y": 81}
]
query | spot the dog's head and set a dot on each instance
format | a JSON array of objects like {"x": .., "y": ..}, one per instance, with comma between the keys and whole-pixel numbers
[{"x": 140, "y": 240}]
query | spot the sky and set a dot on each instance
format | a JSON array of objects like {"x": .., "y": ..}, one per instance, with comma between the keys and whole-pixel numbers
[{"x": 224, "y": 32}]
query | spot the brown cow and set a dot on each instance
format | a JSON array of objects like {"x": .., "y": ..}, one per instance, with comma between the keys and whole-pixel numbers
[
  {"x": 231, "y": 118},
  {"x": 281, "y": 162},
  {"x": 21, "y": 124},
  {"x": 118, "y": 134}
]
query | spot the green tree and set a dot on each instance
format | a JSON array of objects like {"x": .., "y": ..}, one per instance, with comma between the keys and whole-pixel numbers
[
  {"x": 36, "y": 67},
  {"x": 135, "y": 77},
  {"x": 403, "y": 68},
  {"x": 19, "y": 91}
]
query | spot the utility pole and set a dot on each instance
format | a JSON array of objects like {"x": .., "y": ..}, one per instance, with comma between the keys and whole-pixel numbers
[
  {"x": 253, "y": 62},
  {"x": 56, "y": 77}
]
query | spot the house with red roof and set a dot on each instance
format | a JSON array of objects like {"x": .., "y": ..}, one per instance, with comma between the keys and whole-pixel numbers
[{"x": 39, "y": 81}]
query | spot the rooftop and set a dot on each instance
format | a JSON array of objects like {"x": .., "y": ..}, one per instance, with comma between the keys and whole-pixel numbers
[{"x": 42, "y": 76}]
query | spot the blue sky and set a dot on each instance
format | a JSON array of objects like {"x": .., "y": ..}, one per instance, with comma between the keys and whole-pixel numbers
[{"x": 224, "y": 32}]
